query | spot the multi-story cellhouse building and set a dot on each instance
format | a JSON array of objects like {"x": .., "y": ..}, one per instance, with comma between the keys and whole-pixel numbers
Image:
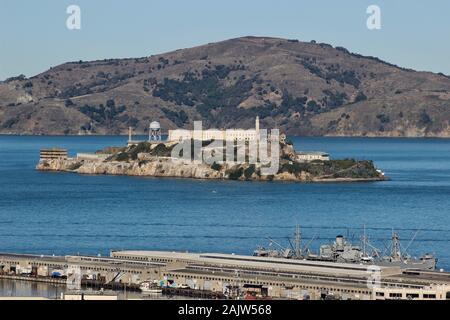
[{"x": 216, "y": 134}]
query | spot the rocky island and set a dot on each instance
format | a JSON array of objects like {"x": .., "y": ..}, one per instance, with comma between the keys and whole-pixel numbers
[{"x": 155, "y": 159}]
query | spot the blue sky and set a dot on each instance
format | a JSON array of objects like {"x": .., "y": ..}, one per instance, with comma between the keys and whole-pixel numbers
[{"x": 34, "y": 37}]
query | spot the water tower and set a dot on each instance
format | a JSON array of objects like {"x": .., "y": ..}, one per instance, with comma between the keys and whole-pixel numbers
[{"x": 154, "y": 132}]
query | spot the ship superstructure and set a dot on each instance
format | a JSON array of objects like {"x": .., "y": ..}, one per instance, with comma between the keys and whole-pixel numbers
[{"x": 343, "y": 251}]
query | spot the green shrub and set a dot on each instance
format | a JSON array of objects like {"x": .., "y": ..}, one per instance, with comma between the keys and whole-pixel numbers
[
  {"x": 74, "y": 166},
  {"x": 123, "y": 156},
  {"x": 135, "y": 150},
  {"x": 161, "y": 150},
  {"x": 294, "y": 168},
  {"x": 249, "y": 171},
  {"x": 383, "y": 118},
  {"x": 235, "y": 174},
  {"x": 216, "y": 166},
  {"x": 343, "y": 164}
]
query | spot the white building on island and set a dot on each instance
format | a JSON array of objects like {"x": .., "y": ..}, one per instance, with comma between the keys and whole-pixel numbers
[
  {"x": 308, "y": 156},
  {"x": 216, "y": 134}
]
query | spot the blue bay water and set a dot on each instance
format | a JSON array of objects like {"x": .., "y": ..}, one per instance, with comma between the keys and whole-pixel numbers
[{"x": 61, "y": 213}]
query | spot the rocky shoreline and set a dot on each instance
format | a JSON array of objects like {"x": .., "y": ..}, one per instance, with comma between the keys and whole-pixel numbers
[{"x": 155, "y": 161}]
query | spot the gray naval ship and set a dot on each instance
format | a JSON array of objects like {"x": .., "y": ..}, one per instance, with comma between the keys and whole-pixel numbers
[{"x": 343, "y": 251}]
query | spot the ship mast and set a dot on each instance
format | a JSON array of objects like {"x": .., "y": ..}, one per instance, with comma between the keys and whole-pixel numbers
[
  {"x": 297, "y": 242},
  {"x": 395, "y": 247},
  {"x": 364, "y": 242}
]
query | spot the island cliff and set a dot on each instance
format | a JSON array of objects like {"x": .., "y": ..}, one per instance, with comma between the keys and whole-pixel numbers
[{"x": 154, "y": 160}]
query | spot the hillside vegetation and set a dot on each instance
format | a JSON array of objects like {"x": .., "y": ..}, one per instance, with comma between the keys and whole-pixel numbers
[{"x": 304, "y": 88}]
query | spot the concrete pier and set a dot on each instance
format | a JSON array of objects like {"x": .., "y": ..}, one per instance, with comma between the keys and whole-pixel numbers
[{"x": 237, "y": 276}]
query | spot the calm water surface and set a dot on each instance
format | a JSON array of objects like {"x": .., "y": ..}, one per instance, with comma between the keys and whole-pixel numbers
[
  {"x": 16, "y": 288},
  {"x": 59, "y": 213}
]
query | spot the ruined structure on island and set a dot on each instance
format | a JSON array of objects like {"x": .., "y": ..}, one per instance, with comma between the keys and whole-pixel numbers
[{"x": 53, "y": 153}]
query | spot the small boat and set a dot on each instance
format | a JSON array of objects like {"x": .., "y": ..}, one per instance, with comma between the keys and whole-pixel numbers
[{"x": 150, "y": 288}]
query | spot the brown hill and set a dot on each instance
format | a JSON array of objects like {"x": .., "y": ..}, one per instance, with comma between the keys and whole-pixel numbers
[{"x": 302, "y": 88}]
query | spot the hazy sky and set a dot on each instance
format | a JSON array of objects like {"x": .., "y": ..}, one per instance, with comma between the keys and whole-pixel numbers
[{"x": 34, "y": 36}]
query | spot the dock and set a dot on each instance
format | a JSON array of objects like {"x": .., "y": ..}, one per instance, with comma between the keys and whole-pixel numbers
[{"x": 233, "y": 276}]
